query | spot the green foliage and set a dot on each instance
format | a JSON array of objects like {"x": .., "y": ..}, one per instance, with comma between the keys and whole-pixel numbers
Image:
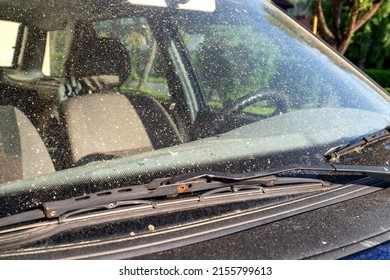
[
  {"x": 380, "y": 76},
  {"x": 370, "y": 47},
  {"x": 57, "y": 45},
  {"x": 236, "y": 60},
  {"x": 254, "y": 108}
]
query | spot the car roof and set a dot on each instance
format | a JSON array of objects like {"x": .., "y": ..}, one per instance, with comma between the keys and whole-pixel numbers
[{"x": 54, "y": 14}]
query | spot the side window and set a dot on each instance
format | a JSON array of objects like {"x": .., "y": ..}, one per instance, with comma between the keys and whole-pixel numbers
[
  {"x": 54, "y": 53},
  {"x": 147, "y": 68},
  {"x": 9, "y": 34}
]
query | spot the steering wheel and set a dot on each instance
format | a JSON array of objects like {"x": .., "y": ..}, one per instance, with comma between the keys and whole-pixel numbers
[{"x": 276, "y": 98}]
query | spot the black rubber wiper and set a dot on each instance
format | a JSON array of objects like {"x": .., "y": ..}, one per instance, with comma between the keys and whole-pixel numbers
[
  {"x": 334, "y": 154},
  {"x": 201, "y": 185}
]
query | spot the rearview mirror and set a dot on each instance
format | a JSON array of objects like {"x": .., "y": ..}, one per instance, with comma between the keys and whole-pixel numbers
[{"x": 193, "y": 5}]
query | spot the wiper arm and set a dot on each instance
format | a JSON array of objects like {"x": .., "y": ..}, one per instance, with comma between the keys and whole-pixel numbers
[
  {"x": 166, "y": 187},
  {"x": 336, "y": 153},
  {"x": 158, "y": 188},
  {"x": 267, "y": 186},
  {"x": 209, "y": 182}
]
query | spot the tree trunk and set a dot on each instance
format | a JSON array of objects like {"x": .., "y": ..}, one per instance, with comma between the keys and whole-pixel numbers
[
  {"x": 326, "y": 33},
  {"x": 337, "y": 38}
]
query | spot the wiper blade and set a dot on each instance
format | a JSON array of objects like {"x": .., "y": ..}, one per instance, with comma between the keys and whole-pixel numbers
[
  {"x": 310, "y": 185},
  {"x": 158, "y": 188},
  {"x": 334, "y": 154},
  {"x": 166, "y": 187}
]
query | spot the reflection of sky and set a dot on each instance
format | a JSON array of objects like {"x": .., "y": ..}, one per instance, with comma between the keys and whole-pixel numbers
[
  {"x": 8, "y": 40},
  {"x": 194, "y": 42}
]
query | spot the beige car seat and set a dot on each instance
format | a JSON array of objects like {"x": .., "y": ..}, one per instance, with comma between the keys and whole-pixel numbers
[
  {"x": 22, "y": 151},
  {"x": 101, "y": 123}
]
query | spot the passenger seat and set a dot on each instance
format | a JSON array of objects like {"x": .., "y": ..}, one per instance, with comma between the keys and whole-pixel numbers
[
  {"x": 22, "y": 151},
  {"x": 101, "y": 123}
]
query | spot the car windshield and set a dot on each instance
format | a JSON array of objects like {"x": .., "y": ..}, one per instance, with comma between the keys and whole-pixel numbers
[
  {"x": 238, "y": 89},
  {"x": 283, "y": 87},
  {"x": 250, "y": 47}
]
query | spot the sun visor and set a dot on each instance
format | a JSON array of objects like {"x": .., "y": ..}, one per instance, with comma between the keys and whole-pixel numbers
[{"x": 193, "y": 5}]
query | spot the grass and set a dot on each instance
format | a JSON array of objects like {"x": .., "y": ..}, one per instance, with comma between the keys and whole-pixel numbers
[
  {"x": 152, "y": 93},
  {"x": 215, "y": 104},
  {"x": 254, "y": 109},
  {"x": 259, "y": 110}
]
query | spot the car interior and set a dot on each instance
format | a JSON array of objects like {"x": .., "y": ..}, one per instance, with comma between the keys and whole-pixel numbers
[{"x": 57, "y": 122}]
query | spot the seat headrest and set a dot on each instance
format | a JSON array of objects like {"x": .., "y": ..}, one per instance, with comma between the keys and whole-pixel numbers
[{"x": 101, "y": 63}]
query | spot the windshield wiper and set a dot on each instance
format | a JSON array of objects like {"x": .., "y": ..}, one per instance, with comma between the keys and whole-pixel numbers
[
  {"x": 201, "y": 185},
  {"x": 334, "y": 154}
]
